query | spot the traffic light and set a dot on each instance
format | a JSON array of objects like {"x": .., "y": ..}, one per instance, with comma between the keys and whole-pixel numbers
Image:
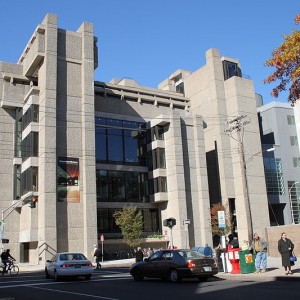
[
  {"x": 32, "y": 202},
  {"x": 169, "y": 222},
  {"x": 5, "y": 241}
]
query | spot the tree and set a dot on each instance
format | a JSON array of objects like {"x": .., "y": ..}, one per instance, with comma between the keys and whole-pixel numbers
[
  {"x": 286, "y": 60},
  {"x": 216, "y": 230},
  {"x": 130, "y": 221}
]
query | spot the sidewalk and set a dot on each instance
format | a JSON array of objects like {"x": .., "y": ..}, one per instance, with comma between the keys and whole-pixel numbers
[{"x": 274, "y": 271}]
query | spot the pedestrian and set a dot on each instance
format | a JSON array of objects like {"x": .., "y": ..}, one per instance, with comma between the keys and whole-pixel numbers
[
  {"x": 234, "y": 241},
  {"x": 98, "y": 257},
  {"x": 139, "y": 255},
  {"x": 285, "y": 248},
  {"x": 150, "y": 252},
  {"x": 259, "y": 248},
  {"x": 6, "y": 260}
]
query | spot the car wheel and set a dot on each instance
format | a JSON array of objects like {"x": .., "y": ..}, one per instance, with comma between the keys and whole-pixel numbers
[
  {"x": 88, "y": 277},
  {"x": 47, "y": 274},
  {"x": 202, "y": 278},
  {"x": 56, "y": 276},
  {"x": 137, "y": 275},
  {"x": 174, "y": 276}
]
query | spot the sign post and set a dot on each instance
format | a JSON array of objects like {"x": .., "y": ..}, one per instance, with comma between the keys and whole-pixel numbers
[
  {"x": 170, "y": 223},
  {"x": 186, "y": 224},
  {"x": 102, "y": 240}
]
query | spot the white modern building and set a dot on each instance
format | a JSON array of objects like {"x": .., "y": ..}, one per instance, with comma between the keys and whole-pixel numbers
[
  {"x": 81, "y": 148},
  {"x": 279, "y": 131}
]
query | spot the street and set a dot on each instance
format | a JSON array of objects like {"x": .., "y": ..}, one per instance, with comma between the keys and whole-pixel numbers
[{"x": 116, "y": 283}]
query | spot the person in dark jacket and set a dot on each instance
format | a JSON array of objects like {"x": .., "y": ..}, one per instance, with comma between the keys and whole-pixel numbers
[
  {"x": 98, "y": 256},
  {"x": 139, "y": 256},
  {"x": 6, "y": 260},
  {"x": 285, "y": 248},
  {"x": 234, "y": 242}
]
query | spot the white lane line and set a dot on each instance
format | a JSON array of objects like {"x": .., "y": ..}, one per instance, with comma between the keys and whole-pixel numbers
[
  {"x": 73, "y": 293},
  {"x": 66, "y": 282}
]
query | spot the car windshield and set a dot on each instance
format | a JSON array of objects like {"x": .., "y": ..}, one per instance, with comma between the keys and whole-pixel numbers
[
  {"x": 72, "y": 256},
  {"x": 190, "y": 254}
]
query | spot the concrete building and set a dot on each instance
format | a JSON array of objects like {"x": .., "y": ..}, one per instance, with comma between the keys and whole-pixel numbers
[
  {"x": 279, "y": 131},
  {"x": 74, "y": 150}
]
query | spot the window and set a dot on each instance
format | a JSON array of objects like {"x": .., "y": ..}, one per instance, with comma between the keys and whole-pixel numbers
[
  {"x": 158, "y": 159},
  {"x": 180, "y": 88},
  {"x": 30, "y": 145},
  {"x": 107, "y": 224},
  {"x": 158, "y": 133},
  {"x": 29, "y": 180},
  {"x": 274, "y": 176},
  {"x": 231, "y": 69},
  {"x": 120, "y": 142},
  {"x": 119, "y": 186},
  {"x": 18, "y": 139},
  {"x": 296, "y": 162},
  {"x": 294, "y": 192},
  {"x": 17, "y": 182},
  {"x": 31, "y": 115},
  {"x": 294, "y": 140},
  {"x": 291, "y": 120},
  {"x": 158, "y": 185}
]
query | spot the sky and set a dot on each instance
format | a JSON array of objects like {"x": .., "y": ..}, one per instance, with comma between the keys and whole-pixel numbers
[{"x": 147, "y": 40}]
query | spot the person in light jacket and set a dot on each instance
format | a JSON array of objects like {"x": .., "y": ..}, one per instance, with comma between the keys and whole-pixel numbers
[
  {"x": 285, "y": 248},
  {"x": 259, "y": 247}
]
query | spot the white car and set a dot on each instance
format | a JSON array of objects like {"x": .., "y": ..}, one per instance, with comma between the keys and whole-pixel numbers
[{"x": 68, "y": 264}]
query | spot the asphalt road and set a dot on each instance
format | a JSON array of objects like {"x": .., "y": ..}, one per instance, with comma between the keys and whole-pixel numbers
[{"x": 116, "y": 283}]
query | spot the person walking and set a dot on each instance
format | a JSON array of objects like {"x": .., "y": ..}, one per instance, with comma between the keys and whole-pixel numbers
[
  {"x": 98, "y": 257},
  {"x": 259, "y": 248},
  {"x": 6, "y": 260},
  {"x": 139, "y": 255},
  {"x": 285, "y": 248}
]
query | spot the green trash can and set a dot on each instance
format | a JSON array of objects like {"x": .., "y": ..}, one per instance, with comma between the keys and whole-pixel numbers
[{"x": 247, "y": 262}]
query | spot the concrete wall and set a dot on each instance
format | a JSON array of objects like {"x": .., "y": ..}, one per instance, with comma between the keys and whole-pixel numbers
[{"x": 273, "y": 234}]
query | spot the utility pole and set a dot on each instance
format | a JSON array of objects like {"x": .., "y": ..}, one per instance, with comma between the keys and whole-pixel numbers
[{"x": 237, "y": 124}]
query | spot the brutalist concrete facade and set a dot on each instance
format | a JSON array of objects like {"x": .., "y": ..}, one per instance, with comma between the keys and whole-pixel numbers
[{"x": 56, "y": 73}]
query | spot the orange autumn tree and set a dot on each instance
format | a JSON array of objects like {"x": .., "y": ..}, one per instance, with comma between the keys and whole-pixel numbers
[
  {"x": 286, "y": 60},
  {"x": 216, "y": 230}
]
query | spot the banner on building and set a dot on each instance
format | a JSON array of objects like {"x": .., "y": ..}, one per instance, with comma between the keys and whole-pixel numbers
[
  {"x": 221, "y": 219},
  {"x": 68, "y": 179}
]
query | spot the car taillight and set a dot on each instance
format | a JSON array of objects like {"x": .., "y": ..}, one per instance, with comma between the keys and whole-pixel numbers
[
  {"x": 191, "y": 264},
  {"x": 89, "y": 265},
  {"x": 66, "y": 266}
]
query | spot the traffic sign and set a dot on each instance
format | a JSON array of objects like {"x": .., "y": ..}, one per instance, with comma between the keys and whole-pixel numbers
[
  {"x": 186, "y": 222},
  {"x": 102, "y": 238}
]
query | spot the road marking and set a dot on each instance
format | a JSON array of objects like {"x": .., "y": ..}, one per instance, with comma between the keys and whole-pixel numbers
[
  {"x": 73, "y": 293},
  {"x": 51, "y": 283}
]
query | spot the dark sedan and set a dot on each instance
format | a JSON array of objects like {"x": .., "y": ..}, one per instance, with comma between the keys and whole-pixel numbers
[{"x": 175, "y": 265}]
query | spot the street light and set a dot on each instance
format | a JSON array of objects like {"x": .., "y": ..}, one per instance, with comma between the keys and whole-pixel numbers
[
  {"x": 291, "y": 203},
  {"x": 6, "y": 212}
]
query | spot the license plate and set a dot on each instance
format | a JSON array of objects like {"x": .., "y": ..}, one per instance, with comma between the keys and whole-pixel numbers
[
  {"x": 79, "y": 266},
  {"x": 207, "y": 269}
]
